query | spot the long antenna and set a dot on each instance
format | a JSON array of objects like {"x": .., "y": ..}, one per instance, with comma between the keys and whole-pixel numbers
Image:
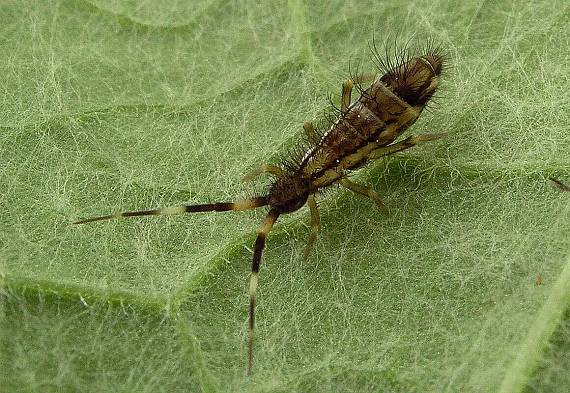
[
  {"x": 244, "y": 204},
  {"x": 264, "y": 230}
]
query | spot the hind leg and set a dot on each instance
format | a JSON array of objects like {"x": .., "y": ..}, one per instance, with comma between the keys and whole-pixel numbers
[
  {"x": 403, "y": 145},
  {"x": 347, "y": 87},
  {"x": 366, "y": 191},
  {"x": 311, "y": 133}
]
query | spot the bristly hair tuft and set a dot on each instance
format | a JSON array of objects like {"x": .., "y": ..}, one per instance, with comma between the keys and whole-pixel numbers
[
  {"x": 293, "y": 157},
  {"x": 388, "y": 63},
  {"x": 396, "y": 55}
]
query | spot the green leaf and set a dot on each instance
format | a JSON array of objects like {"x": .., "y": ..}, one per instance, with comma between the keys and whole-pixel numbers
[{"x": 110, "y": 106}]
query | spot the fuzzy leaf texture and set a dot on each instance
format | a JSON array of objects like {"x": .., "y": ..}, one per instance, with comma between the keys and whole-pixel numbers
[{"x": 124, "y": 105}]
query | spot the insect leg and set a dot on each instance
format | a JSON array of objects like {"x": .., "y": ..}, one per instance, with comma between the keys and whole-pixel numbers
[
  {"x": 366, "y": 191},
  {"x": 347, "y": 87},
  {"x": 311, "y": 133},
  {"x": 258, "y": 249},
  {"x": 315, "y": 226},
  {"x": 403, "y": 145},
  {"x": 346, "y": 93},
  {"x": 244, "y": 204},
  {"x": 266, "y": 168}
]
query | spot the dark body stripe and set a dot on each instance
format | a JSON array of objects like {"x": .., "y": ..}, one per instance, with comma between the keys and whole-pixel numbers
[{"x": 376, "y": 119}]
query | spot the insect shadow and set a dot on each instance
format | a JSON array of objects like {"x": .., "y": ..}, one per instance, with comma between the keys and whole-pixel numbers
[{"x": 561, "y": 186}]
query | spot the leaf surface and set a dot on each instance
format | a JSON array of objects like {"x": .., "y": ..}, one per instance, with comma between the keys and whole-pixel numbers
[{"x": 110, "y": 106}]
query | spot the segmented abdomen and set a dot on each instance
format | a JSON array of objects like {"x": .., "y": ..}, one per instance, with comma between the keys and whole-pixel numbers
[{"x": 376, "y": 119}]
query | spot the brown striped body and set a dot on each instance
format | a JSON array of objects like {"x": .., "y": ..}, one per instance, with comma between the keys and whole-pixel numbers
[
  {"x": 364, "y": 130},
  {"x": 375, "y": 120},
  {"x": 365, "y": 127}
]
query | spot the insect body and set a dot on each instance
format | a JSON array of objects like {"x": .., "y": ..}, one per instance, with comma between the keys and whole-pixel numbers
[{"x": 364, "y": 130}]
